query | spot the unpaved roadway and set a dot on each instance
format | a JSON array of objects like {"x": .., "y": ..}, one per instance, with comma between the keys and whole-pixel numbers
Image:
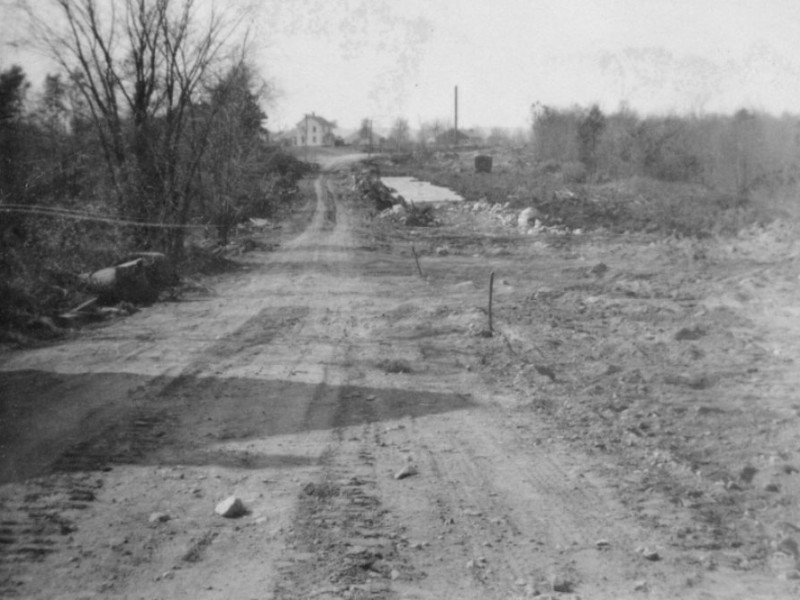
[{"x": 303, "y": 384}]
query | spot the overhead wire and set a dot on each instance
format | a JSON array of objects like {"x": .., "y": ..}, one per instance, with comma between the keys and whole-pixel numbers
[{"x": 49, "y": 211}]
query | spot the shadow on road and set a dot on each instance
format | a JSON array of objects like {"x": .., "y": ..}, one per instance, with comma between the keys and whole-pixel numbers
[{"x": 130, "y": 420}]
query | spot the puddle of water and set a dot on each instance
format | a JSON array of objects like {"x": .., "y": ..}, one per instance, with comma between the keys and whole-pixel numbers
[{"x": 420, "y": 192}]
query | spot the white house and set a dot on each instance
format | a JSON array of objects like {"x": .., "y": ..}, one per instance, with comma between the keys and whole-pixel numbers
[{"x": 314, "y": 131}]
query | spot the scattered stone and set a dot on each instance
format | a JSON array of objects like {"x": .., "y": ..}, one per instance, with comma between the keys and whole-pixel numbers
[
  {"x": 158, "y": 517},
  {"x": 690, "y": 333},
  {"x": 561, "y": 584},
  {"x": 520, "y": 582},
  {"x": 747, "y": 473},
  {"x": 651, "y": 555},
  {"x": 526, "y": 217},
  {"x": 602, "y": 544},
  {"x": 407, "y": 471},
  {"x": 356, "y": 551},
  {"x": 230, "y": 508},
  {"x": 641, "y": 586},
  {"x": 789, "y": 546},
  {"x": 772, "y": 487},
  {"x": 395, "y": 575},
  {"x": 599, "y": 269},
  {"x": 793, "y": 575}
]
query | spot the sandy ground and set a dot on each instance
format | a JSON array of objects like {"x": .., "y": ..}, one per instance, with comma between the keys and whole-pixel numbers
[{"x": 628, "y": 431}]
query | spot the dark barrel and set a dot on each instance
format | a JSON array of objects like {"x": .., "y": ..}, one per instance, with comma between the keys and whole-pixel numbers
[{"x": 483, "y": 164}]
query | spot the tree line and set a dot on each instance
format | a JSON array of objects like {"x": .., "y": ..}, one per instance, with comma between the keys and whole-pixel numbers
[{"x": 738, "y": 154}]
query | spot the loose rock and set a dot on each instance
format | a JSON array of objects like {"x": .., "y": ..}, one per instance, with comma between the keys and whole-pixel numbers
[
  {"x": 651, "y": 555},
  {"x": 789, "y": 546},
  {"x": 406, "y": 471},
  {"x": 230, "y": 508},
  {"x": 561, "y": 584},
  {"x": 158, "y": 517},
  {"x": 747, "y": 473}
]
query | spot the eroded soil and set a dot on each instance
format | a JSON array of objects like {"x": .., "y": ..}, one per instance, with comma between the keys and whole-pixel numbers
[{"x": 629, "y": 429}]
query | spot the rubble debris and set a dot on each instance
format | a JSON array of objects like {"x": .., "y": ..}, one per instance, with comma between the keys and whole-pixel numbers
[
  {"x": 526, "y": 217},
  {"x": 369, "y": 185}
]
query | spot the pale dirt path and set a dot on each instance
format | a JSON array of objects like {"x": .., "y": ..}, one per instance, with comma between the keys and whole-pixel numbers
[{"x": 303, "y": 386}]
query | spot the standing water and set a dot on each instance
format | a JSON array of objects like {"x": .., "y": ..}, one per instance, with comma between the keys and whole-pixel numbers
[{"x": 420, "y": 192}]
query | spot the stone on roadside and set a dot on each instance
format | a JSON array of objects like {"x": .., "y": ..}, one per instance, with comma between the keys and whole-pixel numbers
[
  {"x": 561, "y": 584},
  {"x": 158, "y": 517},
  {"x": 789, "y": 546},
  {"x": 230, "y": 508},
  {"x": 747, "y": 473},
  {"x": 406, "y": 471},
  {"x": 651, "y": 555}
]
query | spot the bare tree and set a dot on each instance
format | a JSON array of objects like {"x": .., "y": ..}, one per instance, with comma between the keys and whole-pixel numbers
[
  {"x": 142, "y": 67},
  {"x": 400, "y": 134},
  {"x": 234, "y": 164}
]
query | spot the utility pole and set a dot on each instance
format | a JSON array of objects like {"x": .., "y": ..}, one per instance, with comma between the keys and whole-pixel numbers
[
  {"x": 456, "y": 111},
  {"x": 370, "y": 137},
  {"x": 305, "y": 135}
]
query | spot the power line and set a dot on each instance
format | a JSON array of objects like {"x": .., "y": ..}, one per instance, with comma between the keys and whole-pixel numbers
[{"x": 33, "y": 209}]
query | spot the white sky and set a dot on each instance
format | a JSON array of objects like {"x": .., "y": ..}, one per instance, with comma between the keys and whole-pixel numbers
[{"x": 350, "y": 59}]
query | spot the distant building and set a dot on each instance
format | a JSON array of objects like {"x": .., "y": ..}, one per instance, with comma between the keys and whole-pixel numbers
[{"x": 314, "y": 131}]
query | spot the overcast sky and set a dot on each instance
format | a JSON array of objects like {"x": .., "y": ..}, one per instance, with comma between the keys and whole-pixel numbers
[{"x": 350, "y": 59}]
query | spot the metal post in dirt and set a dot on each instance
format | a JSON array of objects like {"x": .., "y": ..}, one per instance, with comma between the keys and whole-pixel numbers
[
  {"x": 491, "y": 293},
  {"x": 419, "y": 269}
]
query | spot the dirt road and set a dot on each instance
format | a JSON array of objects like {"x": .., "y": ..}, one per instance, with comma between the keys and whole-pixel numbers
[{"x": 304, "y": 385}]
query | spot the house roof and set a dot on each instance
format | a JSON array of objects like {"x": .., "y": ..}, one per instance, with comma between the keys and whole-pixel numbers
[{"x": 318, "y": 119}]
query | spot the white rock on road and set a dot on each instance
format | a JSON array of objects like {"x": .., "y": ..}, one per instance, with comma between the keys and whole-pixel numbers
[{"x": 230, "y": 508}]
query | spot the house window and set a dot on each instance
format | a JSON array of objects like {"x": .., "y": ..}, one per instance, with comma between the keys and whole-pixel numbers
[
  {"x": 314, "y": 129},
  {"x": 314, "y": 140}
]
